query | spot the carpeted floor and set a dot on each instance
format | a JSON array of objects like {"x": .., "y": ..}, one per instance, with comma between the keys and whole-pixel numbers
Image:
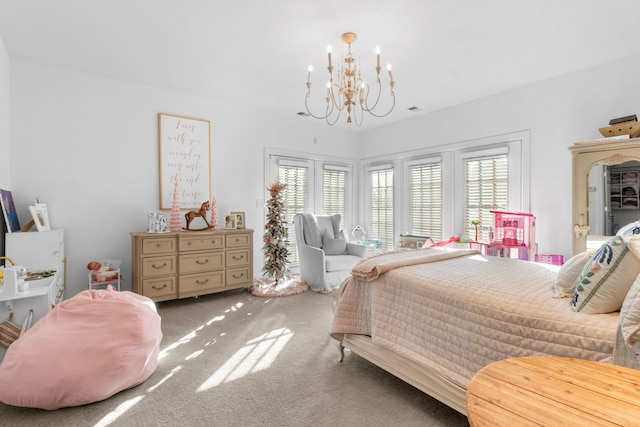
[{"x": 235, "y": 359}]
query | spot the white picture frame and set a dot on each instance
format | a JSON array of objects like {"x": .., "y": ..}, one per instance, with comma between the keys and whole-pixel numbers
[
  {"x": 239, "y": 219},
  {"x": 40, "y": 216}
]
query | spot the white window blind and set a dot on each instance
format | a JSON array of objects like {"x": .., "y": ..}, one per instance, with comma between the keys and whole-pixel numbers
[
  {"x": 335, "y": 192},
  {"x": 486, "y": 188},
  {"x": 425, "y": 198},
  {"x": 295, "y": 196},
  {"x": 381, "y": 182}
]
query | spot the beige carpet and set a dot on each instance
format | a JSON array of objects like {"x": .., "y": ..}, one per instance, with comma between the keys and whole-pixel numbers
[{"x": 235, "y": 359}]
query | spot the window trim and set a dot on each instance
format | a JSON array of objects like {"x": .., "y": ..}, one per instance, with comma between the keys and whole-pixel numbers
[
  {"x": 317, "y": 164},
  {"x": 453, "y": 187}
]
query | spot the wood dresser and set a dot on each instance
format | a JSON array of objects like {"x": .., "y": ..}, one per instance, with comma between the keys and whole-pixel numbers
[
  {"x": 173, "y": 265},
  {"x": 554, "y": 391}
]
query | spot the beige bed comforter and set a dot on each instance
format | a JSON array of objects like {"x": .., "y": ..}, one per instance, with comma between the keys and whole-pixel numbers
[{"x": 458, "y": 313}]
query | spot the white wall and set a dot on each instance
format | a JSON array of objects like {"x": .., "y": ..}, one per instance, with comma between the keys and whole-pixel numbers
[
  {"x": 4, "y": 128},
  {"x": 557, "y": 113},
  {"x": 88, "y": 147},
  {"x": 4, "y": 118}
]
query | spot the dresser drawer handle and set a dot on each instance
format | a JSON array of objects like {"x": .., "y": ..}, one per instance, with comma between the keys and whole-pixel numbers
[
  {"x": 159, "y": 266},
  {"x": 164, "y": 285},
  {"x": 202, "y": 262},
  {"x": 237, "y": 258},
  {"x": 202, "y": 282},
  {"x": 238, "y": 276}
]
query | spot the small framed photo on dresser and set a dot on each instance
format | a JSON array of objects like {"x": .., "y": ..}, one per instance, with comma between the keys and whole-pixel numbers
[
  {"x": 230, "y": 221},
  {"x": 239, "y": 219}
]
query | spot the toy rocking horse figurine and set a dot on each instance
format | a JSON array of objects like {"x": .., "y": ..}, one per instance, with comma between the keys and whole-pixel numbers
[{"x": 191, "y": 215}]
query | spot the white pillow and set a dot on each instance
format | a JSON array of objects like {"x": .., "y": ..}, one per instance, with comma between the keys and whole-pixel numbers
[
  {"x": 630, "y": 315},
  {"x": 565, "y": 283},
  {"x": 332, "y": 246},
  {"x": 630, "y": 229},
  {"x": 605, "y": 280}
]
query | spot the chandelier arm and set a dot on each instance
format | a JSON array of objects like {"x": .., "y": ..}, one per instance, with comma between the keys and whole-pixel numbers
[
  {"x": 337, "y": 101},
  {"x": 366, "y": 98},
  {"x": 306, "y": 106},
  {"x": 331, "y": 107},
  {"x": 393, "y": 96}
]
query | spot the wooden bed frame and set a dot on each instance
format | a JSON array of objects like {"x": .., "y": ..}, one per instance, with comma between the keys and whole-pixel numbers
[{"x": 423, "y": 378}]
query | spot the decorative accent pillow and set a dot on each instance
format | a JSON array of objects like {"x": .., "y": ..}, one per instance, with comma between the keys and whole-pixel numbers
[
  {"x": 605, "y": 280},
  {"x": 565, "y": 284},
  {"x": 630, "y": 315},
  {"x": 630, "y": 229},
  {"x": 331, "y": 246}
]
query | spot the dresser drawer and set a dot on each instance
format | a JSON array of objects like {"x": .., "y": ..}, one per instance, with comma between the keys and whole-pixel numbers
[
  {"x": 201, "y": 243},
  {"x": 237, "y": 240},
  {"x": 237, "y": 276},
  {"x": 200, "y": 262},
  {"x": 160, "y": 287},
  {"x": 159, "y": 266},
  {"x": 238, "y": 257},
  {"x": 161, "y": 245},
  {"x": 201, "y": 283}
]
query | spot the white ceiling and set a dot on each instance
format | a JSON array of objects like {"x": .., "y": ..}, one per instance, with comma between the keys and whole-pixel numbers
[{"x": 256, "y": 52}]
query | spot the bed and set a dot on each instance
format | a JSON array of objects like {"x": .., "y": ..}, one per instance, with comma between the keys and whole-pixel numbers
[{"x": 435, "y": 317}]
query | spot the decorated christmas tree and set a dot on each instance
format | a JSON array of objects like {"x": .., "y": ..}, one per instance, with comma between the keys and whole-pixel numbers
[
  {"x": 214, "y": 213},
  {"x": 175, "y": 221},
  {"x": 275, "y": 235}
]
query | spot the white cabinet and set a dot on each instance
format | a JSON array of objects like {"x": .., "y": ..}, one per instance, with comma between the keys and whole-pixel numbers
[{"x": 35, "y": 251}]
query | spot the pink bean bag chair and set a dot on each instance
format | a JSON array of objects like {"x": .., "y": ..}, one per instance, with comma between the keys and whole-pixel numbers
[{"x": 87, "y": 349}]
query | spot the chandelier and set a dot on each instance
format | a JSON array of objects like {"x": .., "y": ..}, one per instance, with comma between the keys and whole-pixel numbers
[{"x": 349, "y": 91}]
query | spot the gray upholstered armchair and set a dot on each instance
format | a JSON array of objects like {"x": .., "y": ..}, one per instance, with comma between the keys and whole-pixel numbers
[{"x": 325, "y": 257}]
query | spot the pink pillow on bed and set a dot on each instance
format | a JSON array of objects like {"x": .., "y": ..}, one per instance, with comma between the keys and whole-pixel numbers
[{"x": 87, "y": 349}]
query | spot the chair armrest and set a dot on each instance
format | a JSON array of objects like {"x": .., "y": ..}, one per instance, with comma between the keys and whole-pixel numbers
[
  {"x": 312, "y": 263},
  {"x": 357, "y": 250}
]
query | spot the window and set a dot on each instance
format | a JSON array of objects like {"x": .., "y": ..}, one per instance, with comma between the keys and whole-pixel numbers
[
  {"x": 335, "y": 191},
  {"x": 381, "y": 206},
  {"x": 295, "y": 195},
  {"x": 317, "y": 185},
  {"x": 425, "y": 199},
  {"x": 486, "y": 189}
]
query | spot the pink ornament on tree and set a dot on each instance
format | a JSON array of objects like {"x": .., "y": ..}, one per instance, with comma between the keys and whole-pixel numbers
[{"x": 175, "y": 221}]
